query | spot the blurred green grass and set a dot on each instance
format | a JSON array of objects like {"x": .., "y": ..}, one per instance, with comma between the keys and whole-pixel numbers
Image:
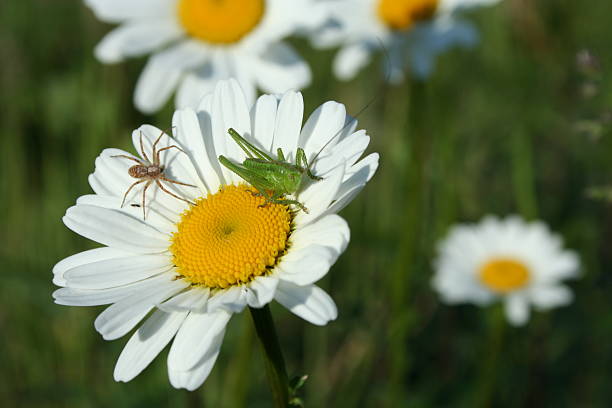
[{"x": 493, "y": 131}]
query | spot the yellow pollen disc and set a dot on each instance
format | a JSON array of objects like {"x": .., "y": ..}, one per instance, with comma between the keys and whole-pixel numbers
[
  {"x": 402, "y": 14},
  {"x": 220, "y": 21},
  {"x": 504, "y": 275},
  {"x": 227, "y": 239}
]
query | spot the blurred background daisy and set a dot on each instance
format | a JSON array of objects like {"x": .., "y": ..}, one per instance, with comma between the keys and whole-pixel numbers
[
  {"x": 520, "y": 124},
  {"x": 411, "y": 32},
  {"x": 521, "y": 263},
  {"x": 198, "y": 42}
]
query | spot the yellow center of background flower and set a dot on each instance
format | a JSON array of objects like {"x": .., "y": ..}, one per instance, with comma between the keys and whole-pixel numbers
[
  {"x": 402, "y": 14},
  {"x": 227, "y": 239},
  {"x": 504, "y": 275},
  {"x": 220, "y": 21}
]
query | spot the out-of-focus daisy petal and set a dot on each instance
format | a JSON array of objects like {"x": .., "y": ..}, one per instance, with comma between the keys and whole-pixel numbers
[
  {"x": 280, "y": 68},
  {"x": 116, "y": 11},
  {"x": 517, "y": 310},
  {"x": 136, "y": 38},
  {"x": 163, "y": 72}
]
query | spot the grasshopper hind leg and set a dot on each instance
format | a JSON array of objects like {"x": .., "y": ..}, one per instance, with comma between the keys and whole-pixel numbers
[
  {"x": 289, "y": 202},
  {"x": 275, "y": 199}
]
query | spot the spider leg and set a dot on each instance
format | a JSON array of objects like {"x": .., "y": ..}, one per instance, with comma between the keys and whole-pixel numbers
[
  {"x": 156, "y": 155},
  {"x": 130, "y": 189},
  {"x": 164, "y": 189},
  {"x": 144, "y": 192},
  {"x": 166, "y": 148},
  {"x": 130, "y": 158},
  {"x": 144, "y": 155},
  {"x": 174, "y": 181}
]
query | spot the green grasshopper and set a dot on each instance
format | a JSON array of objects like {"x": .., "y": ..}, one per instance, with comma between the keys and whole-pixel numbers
[{"x": 273, "y": 178}]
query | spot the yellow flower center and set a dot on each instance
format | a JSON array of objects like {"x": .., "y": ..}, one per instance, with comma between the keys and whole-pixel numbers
[
  {"x": 504, "y": 275},
  {"x": 402, "y": 14},
  {"x": 220, "y": 21},
  {"x": 228, "y": 239}
]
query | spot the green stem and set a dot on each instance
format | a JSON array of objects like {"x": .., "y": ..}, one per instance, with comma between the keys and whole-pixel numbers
[
  {"x": 408, "y": 262},
  {"x": 523, "y": 175},
  {"x": 273, "y": 356},
  {"x": 493, "y": 348}
]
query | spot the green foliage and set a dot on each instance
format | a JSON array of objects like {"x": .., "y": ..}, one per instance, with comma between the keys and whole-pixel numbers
[{"x": 498, "y": 129}]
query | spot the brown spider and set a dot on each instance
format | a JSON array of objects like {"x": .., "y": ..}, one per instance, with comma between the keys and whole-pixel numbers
[{"x": 149, "y": 172}]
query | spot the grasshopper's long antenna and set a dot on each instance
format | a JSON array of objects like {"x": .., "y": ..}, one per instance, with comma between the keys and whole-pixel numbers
[{"x": 367, "y": 105}]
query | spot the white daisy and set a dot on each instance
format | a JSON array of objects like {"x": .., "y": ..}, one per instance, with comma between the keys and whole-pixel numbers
[
  {"x": 195, "y": 43},
  {"x": 517, "y": 262},
  {"x": 413, "y": 32},
  {"x": 186, "y": 268}
]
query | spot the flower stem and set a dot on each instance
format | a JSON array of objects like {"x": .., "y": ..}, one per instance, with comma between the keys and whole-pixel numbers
[{"x": 273, "y": 356}]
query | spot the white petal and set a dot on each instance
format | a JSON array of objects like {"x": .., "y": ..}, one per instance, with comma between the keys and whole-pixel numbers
[
  {"x": 233, "y": 299},
  {"x": 192, "y": 379},
  {"x": 194, "y": 299},
  {"x": 330, "y": 231},
  {"x": 163, "y": 72},
  {"x": 115, "y": 272},
  {"x": 347, "y": 151},
  {"x": 318, "y": 196},
  {"x": 309, "y": 302},
  {"x": 261, "y": 290},
  {"x": 229, "y": 110},
  {"x": 114, "y": 229},
  {"x": 146, "y": 343},
  {"x": 89, "y": 297},
  {"x": 304, "y": 267},
  {"x": 157, "y": 216},
  {"x": 322, "y": 128},
  {"x": 280, "y": 68},
  {"x": 118, "y": 319},
  {"x": 350, "y": 59},
  {"x": 263, "y": 118},
  {"x": 517, "y": 309},
  {"x": 188, "y": 133},
  {"x": 136, "y": 38},
  {"x": 83, "y": 258},
  {"x": 196, "y": 338},
  {"x": 350, "y": 188},
  {"x": 288, "y": 123},
  {"x": 114, "y": 11}
]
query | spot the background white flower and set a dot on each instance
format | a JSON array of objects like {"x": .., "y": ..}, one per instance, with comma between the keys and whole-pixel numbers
[
  {"x": 518, "y": 262},
  {"x": 188, "y": 268},
  {"x": 195, "y": 43},
  {"x": 414, "y": 32}
]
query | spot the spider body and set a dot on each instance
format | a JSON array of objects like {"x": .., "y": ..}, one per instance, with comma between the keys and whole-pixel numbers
[
  {"x": 141, "y": 171},
  {"x": 149, "y": 172}
]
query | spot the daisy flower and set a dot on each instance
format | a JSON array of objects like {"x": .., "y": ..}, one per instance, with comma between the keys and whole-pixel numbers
[
  {"x": 195, "y": 43},
  {"x": 414, "y": 32},
  {"x": 186, "y": 268},
  {"x": 511, "y": 260}
]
